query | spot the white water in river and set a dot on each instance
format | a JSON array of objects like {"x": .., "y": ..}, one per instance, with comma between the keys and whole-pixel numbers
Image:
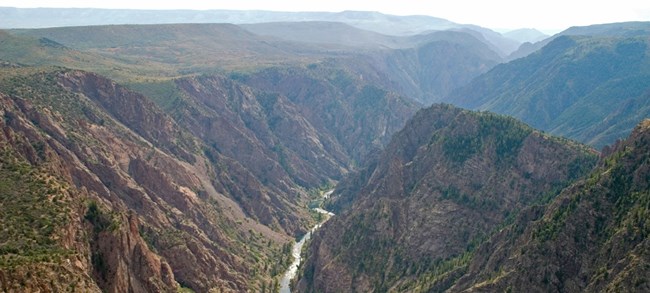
[{"x": 297, "y": 248}]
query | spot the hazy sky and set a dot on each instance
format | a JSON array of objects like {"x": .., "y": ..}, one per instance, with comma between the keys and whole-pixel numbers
[{"x": 496, "y": 14}]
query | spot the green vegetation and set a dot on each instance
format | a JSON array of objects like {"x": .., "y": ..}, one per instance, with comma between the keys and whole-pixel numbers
[
  {"x": 591, "y": 89},
  {"x": 182, "y": 289},
  {"x": 447, "y": 183},
  {"x": 438, "y": 275},
  {"x": 101, "y": 220},
  {"x": 602, "y": 220},
  {"x": 35, "y": 207},
  {"x": 163, "y": 92},
  {"x": 40, "y": 85},
  {"x": 142, "y": 53},
  {"x": 504, "y": 134},
  {"x": 631, "y": 206},
  {"x": 471, "y": 201},
  {"x": 316, "y": 199}
]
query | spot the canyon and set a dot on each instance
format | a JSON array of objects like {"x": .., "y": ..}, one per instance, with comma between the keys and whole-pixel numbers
[{"x": 205, "y": 157}]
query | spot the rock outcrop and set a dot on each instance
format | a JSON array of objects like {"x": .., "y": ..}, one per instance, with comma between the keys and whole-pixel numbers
[{"x": 147, "y": 209}]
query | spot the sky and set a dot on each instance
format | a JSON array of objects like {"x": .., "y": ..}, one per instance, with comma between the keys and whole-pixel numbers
[{"x": 547, "y": 15}]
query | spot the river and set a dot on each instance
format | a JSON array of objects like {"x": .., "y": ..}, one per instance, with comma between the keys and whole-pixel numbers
[{"x": 297, "y": 248}]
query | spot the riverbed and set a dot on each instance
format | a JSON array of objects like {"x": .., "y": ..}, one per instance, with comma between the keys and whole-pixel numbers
[{"x": 297, "y": 248}]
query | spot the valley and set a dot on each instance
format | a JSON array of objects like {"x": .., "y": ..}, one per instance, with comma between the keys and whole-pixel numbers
[
  {"x": 209, "y": 151},
  {"x": 296, "y": 250}
]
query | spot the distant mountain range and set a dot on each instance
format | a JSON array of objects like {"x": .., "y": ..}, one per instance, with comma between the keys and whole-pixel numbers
[
  {"x": 524, "y": 35},
  {"x": 371, "y": 21},
  {"x": 424, "y": 67},
  {"x": 624, "y": 29}
]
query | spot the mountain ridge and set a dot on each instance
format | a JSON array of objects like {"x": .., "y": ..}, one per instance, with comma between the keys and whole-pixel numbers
[
  {"x": 593, "y": 237},
  {"x": 372, "y": 21},
  {"x": 593, "y": 89},
  {"x": 155, "y": 197},
  {"x": 445, "y": 181}
]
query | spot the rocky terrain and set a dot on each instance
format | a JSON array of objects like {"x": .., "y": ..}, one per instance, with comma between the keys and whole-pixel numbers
[
  {"x": 200, "y": 183},
  {"x": 592, "y": 238},
  {"x": 445, "y": 182},
  {"x": 146, "y": 207}
]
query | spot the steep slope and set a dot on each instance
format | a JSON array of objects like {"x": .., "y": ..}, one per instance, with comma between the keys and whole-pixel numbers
[
  {"x": 355, "y": 113},
  {"x": 444, "y": 183},
  {"x": 36, "y": 212},
  {"x": 259, "y": 129},
  {"x": 592, "y": 89},
  {"x": 592, "y": 238},
  {"x": 256, "y": 117},
  {"x": 134, "y": 203},
  {"x": 440, "y": 63}
]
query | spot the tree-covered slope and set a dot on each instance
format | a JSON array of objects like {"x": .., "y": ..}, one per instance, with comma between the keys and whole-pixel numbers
[
  {"x": 592, "y": 238},
  {"x": 592, "y": 89},
  {"x": 446, "y": 181}
]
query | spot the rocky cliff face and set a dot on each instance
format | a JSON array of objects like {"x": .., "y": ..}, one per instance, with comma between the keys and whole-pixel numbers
[
  {"x": 350, "y": 108},
  {"x": 259, "y": 130},
  {"x": 441, "y": 63},
  {"x": 591, "y": 238},
  {"x": 59, "y": 250},
  {"x": 283, "y": 137},
  {"x": 137, "y": 206},
  {"x": 206, "y": 193},
  {"x": 443, "y": 184}
]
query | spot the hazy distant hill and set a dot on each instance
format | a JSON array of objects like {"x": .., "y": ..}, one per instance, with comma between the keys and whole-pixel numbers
[
  {"x": 372, "y": 21},
  {"x": 592, "y": 89},
  {"x": 440, "y": 63},
  {"x": 526, "y": 35},
  {"x": 423, "y": 67},
  {"x": 51, "y": 17},
  {"x": 622, "y": 29},
  {"x": 183, "y": 47},
  {"x": 324, "y": 33}
]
